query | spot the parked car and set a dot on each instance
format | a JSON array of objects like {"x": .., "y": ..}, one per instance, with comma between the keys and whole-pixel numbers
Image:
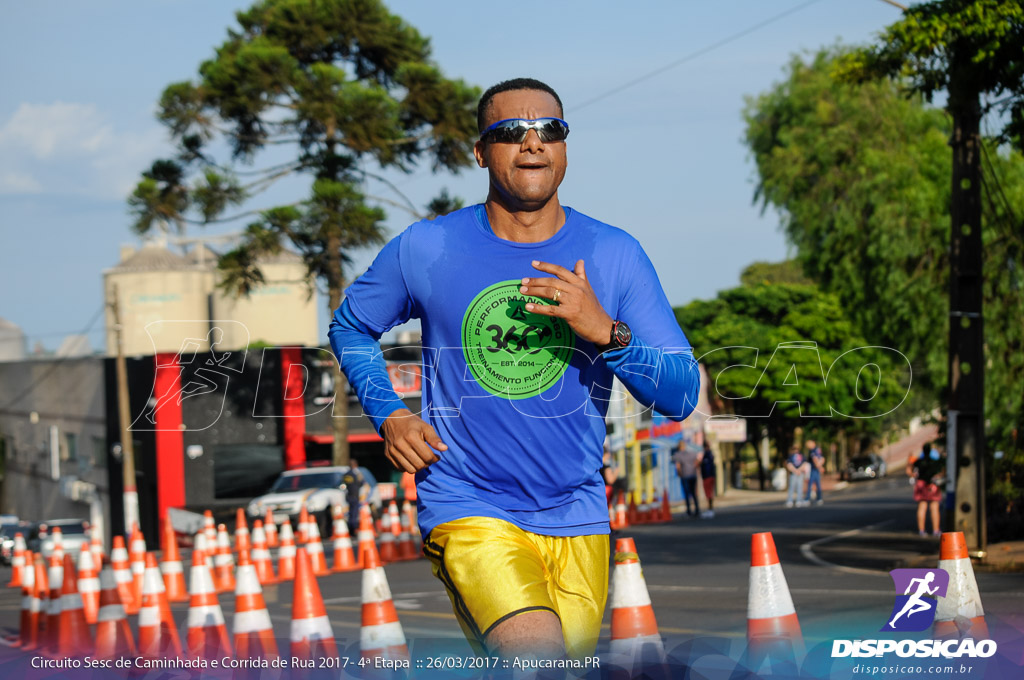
[
  {"x": 7, "y": 532},
  {"x": 75, "y": 534},
  {"x": 319, "y": 488},
  {"x": 870, "y": 466}
]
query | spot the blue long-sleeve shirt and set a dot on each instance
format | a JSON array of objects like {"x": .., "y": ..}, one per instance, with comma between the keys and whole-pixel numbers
[{"x": 517, "y": 397}]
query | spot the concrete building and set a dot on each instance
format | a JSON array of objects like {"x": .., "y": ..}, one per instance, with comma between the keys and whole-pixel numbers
[
  {"x": 172, "y": 303},
  {"x": 54, "y": 432}
]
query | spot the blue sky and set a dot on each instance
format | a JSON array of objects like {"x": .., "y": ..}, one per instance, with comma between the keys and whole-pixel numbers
[{"x": 663, "y": 159}]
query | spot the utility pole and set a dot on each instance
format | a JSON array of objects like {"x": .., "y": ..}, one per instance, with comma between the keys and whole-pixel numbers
[
  {"x": 966, "y": 440},
  {"x": 131, "y": 492}
]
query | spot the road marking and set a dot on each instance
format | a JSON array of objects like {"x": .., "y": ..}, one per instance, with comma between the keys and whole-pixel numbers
[
  {"x": 737, "y": 589},
  {"x": 808, "y": 552}
]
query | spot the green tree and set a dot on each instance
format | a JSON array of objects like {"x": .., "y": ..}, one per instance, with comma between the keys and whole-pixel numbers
[
  {"x": 786, "y": 355},
  {"x": 334, "y": 90}
]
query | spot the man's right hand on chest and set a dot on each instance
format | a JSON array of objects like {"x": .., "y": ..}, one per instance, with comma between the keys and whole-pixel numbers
[{"x": 410, "y": 442}]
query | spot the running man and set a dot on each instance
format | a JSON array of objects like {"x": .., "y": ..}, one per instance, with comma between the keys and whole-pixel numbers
[
  {"x": 529, "y": 309},
  {"x": 915, "y": 604}
]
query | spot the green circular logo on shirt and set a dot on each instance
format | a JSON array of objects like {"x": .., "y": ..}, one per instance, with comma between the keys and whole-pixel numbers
[{"x": 512, "y": 352}]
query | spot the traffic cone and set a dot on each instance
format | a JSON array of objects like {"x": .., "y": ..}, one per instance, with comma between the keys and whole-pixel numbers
[
  {"x": 209, "y": 528},
  {"x": 42, "y": 594},
  {"x": 96, "y": 547},
  {"x": 113, "y": 634},
  {"x": 55, "y": 579},
  {"x": 631, "y": 510},
  {"x": 123, "y": 576},
  {"x": 666, "y": 508},
  {"x": 311, "y": 633},
  {"x": 315, "y": 548},
  {"x": 171, "y": 568},
  {"x": 381, "y": 634},
  {"x": 270, "y": 529},
  {"x": 771, "y": 617},
  {"x": 28, "y": 628},
  {"x": 207, "y": 636},
  {"x": 88, "y": 586},
  {"x": 387, "y": 552},
  {"x": 635, "y": 641},
  {"x": 18, "y": 561},
  {"x": 158, "y": 637},
  {"x": 224, "y": 563},
  {"x": 367, "y": 537},
  {"x": 242, "y": 541},
  {"x": 621, "y": 515},
  {"x": 344, "y": 555},
  {"x": 58, "y": 543},
  {"x": 261, "y": 561},
  {"x": 253, "y": 631},
  {"x": 959, "y": 613},
  {"x": 137, "y": 559},
  {"x": 286, "y": 553},
  {"x": 406, "y": 546},
  {"x": 73, "y": 638}
]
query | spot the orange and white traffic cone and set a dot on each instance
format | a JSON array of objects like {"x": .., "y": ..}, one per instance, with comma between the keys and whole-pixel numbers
[
  {"x": 261, "y": 561},
  {"x": 409, "y": 511},
  {"x": 88, "y": 586},
  {"x": 158, "y": 636},
  {"x": 621, "y": 519},
  {"x": 253, "y": 631},
  {"x": 367, "y": 536},
  {"x": 406, "y": 546},
  {"x": 42, "y": 595},
  {"x": 315, "y": 548},
  {"x": 58, "y": 543},
  {"x": 223, "y": 562},
  {"x": 29, "y": 623},
  {"x": 18, "y": 561},
  {"x": 113, "y": 634},
  {"x": 635, "y": 640},
  {"x": 242, "y": 541},
  {"x": 772, "y": 622},
  {"x": 666, "y": 508},
  {"x": 171, "y": 568},
  {"x": 123, "y": 575},
  {"x": 381, "y": 634},
  {"x": 302, "y": 528},
  {"x": 270, "y": 529},
  {"x": 74, "y": 639},
  {"x": 55, "y": 579},
  {"x": 387, "y": 550},
  {"x": 96, "y": 547},
  {"x": 137, "y": 559},
  {"x": 311, "y": 633},
  {"x": 207, "y": 636},
  {"x": 959, "y": 613},
  {"x": 286, "y": 553},
  {"x": 344, "y": 557},
  {"x": 209, "y": 528}
]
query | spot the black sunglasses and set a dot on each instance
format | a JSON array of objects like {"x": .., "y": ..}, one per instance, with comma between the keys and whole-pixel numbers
[{"x": 514, "y": 130}]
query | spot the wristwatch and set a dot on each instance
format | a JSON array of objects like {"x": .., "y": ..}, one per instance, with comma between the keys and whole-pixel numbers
[{"x": 621, "y": 337}]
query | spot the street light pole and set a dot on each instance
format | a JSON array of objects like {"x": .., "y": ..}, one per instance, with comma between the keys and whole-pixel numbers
[{"x": 131, "y": 492}]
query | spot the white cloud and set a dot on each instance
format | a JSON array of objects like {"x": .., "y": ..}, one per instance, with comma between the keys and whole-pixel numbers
[
  {"x": 12, "y": 182},
  {"x": 72, "y": 148}
]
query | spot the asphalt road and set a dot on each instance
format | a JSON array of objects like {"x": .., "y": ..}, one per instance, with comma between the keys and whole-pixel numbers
[{"x": 835, "y": 558}]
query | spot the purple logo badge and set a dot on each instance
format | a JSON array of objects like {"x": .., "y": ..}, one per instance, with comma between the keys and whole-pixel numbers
[{"x": 917, "y": 591}]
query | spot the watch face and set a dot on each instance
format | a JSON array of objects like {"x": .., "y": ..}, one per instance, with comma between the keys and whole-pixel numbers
[{"x": 622, "y": 334}]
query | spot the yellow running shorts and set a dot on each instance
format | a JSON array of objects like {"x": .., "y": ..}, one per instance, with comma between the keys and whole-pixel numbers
[{"x": 494, "y": 570}]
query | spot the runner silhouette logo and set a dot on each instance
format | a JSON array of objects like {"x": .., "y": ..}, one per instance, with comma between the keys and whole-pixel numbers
[{"x": 917, "y": 592}]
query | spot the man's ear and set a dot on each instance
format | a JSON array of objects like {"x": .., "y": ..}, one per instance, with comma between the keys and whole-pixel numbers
[{"x": 478, "y": 153}]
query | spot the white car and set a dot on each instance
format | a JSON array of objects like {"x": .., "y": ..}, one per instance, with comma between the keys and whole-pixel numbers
[{"x": 319, "y": 488}]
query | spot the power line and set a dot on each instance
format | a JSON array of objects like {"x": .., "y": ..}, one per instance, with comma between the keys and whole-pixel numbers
[
  {"x": 54, "y": 366},
  {"x": 693, "y": 55}
]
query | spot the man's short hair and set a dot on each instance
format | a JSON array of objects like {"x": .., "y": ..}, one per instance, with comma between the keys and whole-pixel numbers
[{"x": 507, "y": 86}]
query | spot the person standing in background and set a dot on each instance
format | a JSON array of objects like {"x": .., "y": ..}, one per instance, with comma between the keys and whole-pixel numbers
[
  {"x": 686, "y": 467},
  {"x": 706, "y": 461},
  {"x": 927, "y": 472},
  {"x": 817, "y": 466},
  {"x": 796, "y": 466}
]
